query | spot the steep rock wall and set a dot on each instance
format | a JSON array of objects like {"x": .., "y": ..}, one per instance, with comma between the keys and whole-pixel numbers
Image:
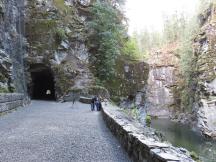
[
  {"x": 55, "y": 30},
  {"x": 205, "y": 57},
  {"x": 130, "y": 77},
  {"x": 163, "y": 79},
  {"x": 12, "y": 46}
]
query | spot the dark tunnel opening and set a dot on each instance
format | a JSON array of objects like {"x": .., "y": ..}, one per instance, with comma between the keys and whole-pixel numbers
[{"x": 43, "y": 86}]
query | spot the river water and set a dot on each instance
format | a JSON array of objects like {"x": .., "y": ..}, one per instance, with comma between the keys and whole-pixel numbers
[{"x": 182, "y": 136}]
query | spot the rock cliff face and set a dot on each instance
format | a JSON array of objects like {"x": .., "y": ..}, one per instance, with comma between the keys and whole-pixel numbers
[
  {"x": 12, "y": 46},
  {"x": 56, "y": 33},
  {"x": 43, "y": 39},
  {"x": 205, "y": 54},
  {"x": 130, "y": 77},
  {"x": 163, "y": 78}
]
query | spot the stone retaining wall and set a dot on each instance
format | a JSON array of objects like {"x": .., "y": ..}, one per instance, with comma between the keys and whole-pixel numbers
[
  {"x": 9, "y": 101},
  {"x": 142, "y": 144}
]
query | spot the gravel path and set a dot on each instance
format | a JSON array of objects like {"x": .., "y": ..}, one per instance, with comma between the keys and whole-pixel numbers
[{"x": 49, "y": 131}]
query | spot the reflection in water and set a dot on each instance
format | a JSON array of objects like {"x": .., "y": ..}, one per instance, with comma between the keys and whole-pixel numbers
[{"x": 182, "y": 136}]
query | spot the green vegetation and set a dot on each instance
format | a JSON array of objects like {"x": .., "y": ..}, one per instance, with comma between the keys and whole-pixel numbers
[
  {"x": 4, "y": 90},
  {"x": 91, "y": 91},
  {"x": 179, "y": 29},
  {"x": 148, "y": 120},
  {"x": 98, "y": 90},
  {"x": 106, "y": 38},
  {"x": 134, "y": 113},
  {"x": 111, "y": 49},
  {"x": 131, "y": 49},
  {"x": 60, "y": 4},
  {"x": 60, "y": 34},
  {"x": 194, "y": 156},
  {"x": 187, "y": 63},
  {"x": 63, "y": 82},
  {"x": 116, "y": 99}
]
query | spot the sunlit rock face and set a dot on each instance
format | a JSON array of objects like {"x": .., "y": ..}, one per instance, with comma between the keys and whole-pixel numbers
[
  {"x": 205, "y": 53},
  {"x": 56, "y": 33},
  {"x": 163, "y": 76},
  {"x": 12, "y": 46}
]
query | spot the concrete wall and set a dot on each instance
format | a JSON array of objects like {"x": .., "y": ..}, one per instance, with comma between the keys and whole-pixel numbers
[
  {"x": 9, "y": 101},
  {"x": 142, "y": 143}
]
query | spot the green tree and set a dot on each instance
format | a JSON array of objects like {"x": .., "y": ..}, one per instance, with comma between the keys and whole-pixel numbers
[
  {"x": 106, "y": 38},
  {"x": 187, "y": 63},
  {"x": 131, "y": 49}
]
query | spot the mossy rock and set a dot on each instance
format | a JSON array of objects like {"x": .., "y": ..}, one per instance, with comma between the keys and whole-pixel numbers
[
  {"x": 194, "y": 156},
  {"x": 91, "y": 91},
  {"x": 4, "y": 90},
  {"x": 116, "y": 99}
]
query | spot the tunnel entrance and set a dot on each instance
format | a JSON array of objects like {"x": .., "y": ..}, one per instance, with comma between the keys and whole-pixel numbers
[{"x": 43, "y": 86}]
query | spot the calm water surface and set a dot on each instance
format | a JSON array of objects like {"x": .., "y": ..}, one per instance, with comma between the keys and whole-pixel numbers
[{"x": 182, "y": 136}]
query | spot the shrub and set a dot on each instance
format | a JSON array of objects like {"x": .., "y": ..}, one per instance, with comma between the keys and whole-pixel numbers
[
  {"x": 194, "y": 155},
  {"x": 148, "y": 120},
  {"x": 135, "y": 113},
  {"x": 60, "y": 34},
  {"x": 115, "y": 99},
  {"x": 4, "y": 90}
]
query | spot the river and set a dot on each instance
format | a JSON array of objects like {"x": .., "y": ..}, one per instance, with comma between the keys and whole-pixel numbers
[{"x": 183, "y": 136}]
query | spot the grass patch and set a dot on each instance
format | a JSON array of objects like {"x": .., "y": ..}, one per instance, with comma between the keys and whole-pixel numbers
[
  {"x": 194, "y": 156},
  {"x": 148, "y": 120}
]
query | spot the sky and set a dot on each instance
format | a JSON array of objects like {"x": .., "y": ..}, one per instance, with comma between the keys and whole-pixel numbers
[{"x": 149, "y": 13}]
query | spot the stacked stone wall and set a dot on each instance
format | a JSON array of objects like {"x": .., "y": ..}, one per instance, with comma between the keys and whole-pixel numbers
[
  {"x": 142, "y": 144},
  {"x": 9, "y": 101}
]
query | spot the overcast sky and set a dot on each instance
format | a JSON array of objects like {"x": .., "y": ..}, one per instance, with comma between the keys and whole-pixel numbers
[{"x": 149, "y": 13}]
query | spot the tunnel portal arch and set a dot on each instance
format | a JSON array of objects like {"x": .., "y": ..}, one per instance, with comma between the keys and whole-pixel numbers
[{"x": 42, "y": 85}]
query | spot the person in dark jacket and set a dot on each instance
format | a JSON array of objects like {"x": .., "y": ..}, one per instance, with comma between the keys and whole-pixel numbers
[
  {"x": 93, "y": 103},
  {"x": 99, "y": 106},
  {"x": 98, "y": 103}
]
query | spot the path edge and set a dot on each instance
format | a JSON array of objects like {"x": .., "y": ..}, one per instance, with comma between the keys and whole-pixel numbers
[{"x": 139, "y": 147}]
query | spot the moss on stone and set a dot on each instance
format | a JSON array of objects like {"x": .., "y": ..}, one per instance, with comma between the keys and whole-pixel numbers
[
  {"x": 148, "y": 120},
  {"x": 62, "y": 80},
  {"x": 116, "y": 99},
  {"x": 60, "y": 34},
  {"x": 194, "y": 156},
  {"x": 4, "y": 90}
]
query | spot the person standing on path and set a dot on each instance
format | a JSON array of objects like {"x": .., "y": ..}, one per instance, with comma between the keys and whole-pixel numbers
[
  {"x": 97, "y": 103},
  {"x": 75, "y": 97},
  {"x": 93, "y": 103}
]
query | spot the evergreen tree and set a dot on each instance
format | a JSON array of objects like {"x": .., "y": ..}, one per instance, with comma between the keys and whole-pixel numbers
[{"x": 106, "y": 37}]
